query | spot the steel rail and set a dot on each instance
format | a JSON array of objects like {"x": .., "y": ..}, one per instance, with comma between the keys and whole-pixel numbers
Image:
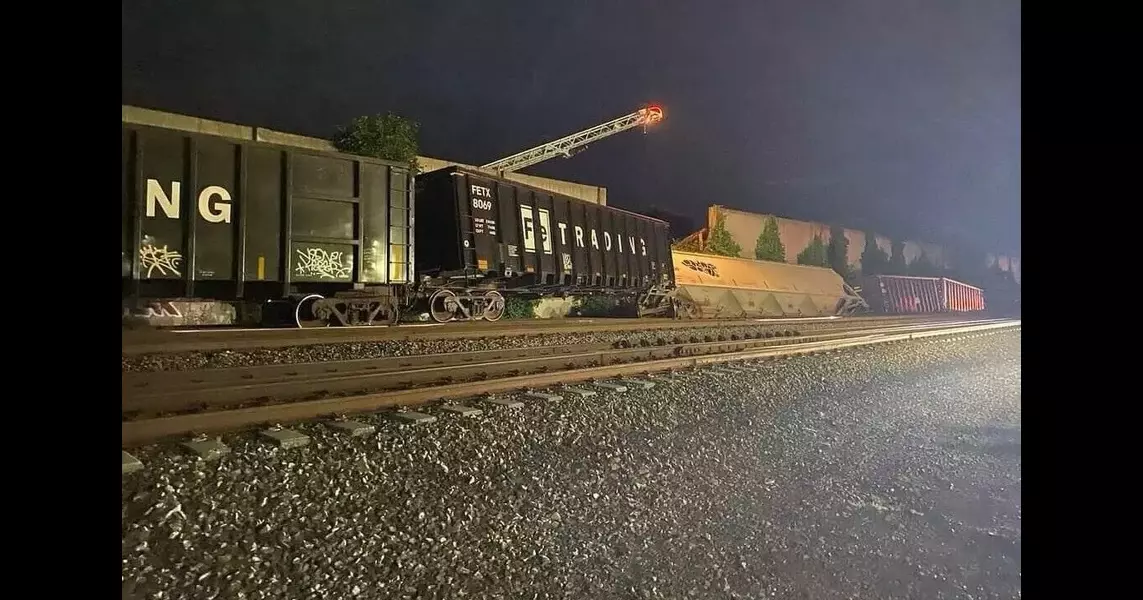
[
  {"x": 135, "y": 433},
  {"x": 170, "y": 342}
]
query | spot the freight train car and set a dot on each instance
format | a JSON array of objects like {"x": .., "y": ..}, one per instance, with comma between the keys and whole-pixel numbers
[
  {"x": 480, "y": 237},
  {"x": 311, "y": 237},
  {"x": 710, "y": 287},
  {"x": 895, "y": 294}
]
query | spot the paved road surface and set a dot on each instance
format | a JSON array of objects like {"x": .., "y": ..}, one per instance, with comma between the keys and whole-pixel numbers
[{"x": 883, "y": 473}]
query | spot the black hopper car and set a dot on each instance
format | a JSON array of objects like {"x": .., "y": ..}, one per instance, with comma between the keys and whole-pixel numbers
[
  {"x": 309, "y": 238},
  {"x": 480, "y": 237}
]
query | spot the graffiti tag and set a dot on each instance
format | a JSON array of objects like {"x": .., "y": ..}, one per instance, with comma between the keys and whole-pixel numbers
[
  {"x": 700, "y": 266},
  {"x": 161, "y": 259},
  {"x": 317, "y": 262}
]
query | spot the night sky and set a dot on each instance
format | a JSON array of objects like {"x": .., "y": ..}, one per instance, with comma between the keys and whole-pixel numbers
[{"x": 900, "y": 116}]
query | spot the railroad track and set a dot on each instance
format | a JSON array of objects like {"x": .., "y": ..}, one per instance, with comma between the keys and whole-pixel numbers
[
  {"x": 163, "y": 405},
  {"x": 139, "y": 342}
]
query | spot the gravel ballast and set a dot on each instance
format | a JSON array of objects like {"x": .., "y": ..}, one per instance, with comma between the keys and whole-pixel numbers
[
  {"x": 888, "y": 472},
  {"x": 332, "y": 352}
]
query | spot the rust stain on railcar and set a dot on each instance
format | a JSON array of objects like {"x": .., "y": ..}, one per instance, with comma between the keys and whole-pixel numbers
[{"x": 725, "y": 287}]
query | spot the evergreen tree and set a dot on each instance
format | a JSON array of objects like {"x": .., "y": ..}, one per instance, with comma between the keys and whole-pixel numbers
[
  {"x": 897, "y": 264},
  {"x": 873, "y": 258},
  {"x": 837, "y": 253},
  {"x": 814, "y": 253},
  {"x": 720, "y": 241},
  {"x": 922, "y": 266},
  {"x": 769, "y": 245}
]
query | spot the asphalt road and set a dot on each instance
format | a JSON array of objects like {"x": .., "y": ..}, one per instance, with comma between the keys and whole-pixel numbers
[{"x": 884, "y": 473}]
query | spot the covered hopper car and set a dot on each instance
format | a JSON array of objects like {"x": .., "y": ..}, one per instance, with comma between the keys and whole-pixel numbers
[
  {"x": 711, "y": 287},
  {"x": 897, "y": 294}
]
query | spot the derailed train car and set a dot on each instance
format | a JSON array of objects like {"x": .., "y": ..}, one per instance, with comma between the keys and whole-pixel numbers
[
  {"x": 712, "y": 287},
  {"x": 309, "y": 237},
  {"x": 899, "y": 294},
  {"x": 480, "y": 237}
]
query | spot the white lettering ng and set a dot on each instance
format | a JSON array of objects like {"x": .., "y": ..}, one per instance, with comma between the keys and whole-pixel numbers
[
  {"x": 563, "y": 233},
  {"x": 594, "y": 240},
  {"x": 579, "y": 236},
  {"x": 606, "y": 240}
]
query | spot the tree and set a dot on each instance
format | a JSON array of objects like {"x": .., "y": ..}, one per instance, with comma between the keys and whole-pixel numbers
[
  {"x": 837, "y": 254},
  {"x": 873, "y": 258},
  {"x": 387, "y": 137},
  {"x": 922, "y": 266},
  {"x": 814, "y": 253},
  {"x": 897, "y": 264},
  {"x": 720, "y": 241},
  {"x": 769, "y": 245}
]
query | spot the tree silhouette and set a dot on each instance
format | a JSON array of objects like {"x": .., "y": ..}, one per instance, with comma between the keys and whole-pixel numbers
[
  {"x": 814, "y": 253},
  {"x": 720, "y": 241},
  {"x": 769, "y": 245},
  {"x": 873, "y": 258},
  {"x": 387, "y": 137}
]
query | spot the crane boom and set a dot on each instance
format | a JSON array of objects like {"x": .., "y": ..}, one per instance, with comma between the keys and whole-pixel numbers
[{"x": 564, "y": 146}]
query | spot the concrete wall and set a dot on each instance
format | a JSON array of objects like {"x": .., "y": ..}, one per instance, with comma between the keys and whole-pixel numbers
[
  {"x": 155, "y": 118},
  {"x": 745, "y": 227}
]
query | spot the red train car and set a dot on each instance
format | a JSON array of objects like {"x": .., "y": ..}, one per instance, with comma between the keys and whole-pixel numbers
[{"x": 896, "y": 294}]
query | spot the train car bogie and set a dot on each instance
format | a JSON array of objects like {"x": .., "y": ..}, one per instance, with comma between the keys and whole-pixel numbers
[{"x": 466, "y": 305}]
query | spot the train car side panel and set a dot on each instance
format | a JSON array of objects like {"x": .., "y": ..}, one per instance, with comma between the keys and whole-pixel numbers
[
  {"x": 561, "y": 217},
  {"x": 225, "y": 219},
  {"x": 898, "y": 294},
  {"x": 542, "y": 239},
  {"x": 163, "y": 207},
  {"x": 216, "y": 167},
  {"x": 725, "y": 287},
  {"x": 262, "y": 216}
]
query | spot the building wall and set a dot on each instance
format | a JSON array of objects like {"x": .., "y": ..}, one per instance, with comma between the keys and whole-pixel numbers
[
  {"x": 155, "y": 118},
  {"x": 745, "y": 227}
]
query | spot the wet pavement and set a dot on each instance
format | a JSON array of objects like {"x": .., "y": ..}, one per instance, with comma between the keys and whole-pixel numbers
[{"x": 890, "y": 472}]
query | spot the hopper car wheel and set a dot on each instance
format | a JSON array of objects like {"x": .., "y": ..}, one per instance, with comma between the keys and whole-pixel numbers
[
  {"x": 494, "y": 306},
  {"x": 308, "y": 314},
  {"x": 443, "y": 305}
]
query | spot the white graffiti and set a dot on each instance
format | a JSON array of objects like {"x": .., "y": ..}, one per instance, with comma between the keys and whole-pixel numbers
[
  {"x": 161, "y": 259},
  {"x": 317, "y": 262}
]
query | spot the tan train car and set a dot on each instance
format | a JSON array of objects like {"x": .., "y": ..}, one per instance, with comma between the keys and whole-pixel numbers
[{"x": 721, "y": 287}]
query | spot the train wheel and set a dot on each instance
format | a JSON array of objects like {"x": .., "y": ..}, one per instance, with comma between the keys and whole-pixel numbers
[
  {"x": 307, "y": 314},
  {"x": 494, "y": 306},
  {"x": 443, "y": 305}
]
